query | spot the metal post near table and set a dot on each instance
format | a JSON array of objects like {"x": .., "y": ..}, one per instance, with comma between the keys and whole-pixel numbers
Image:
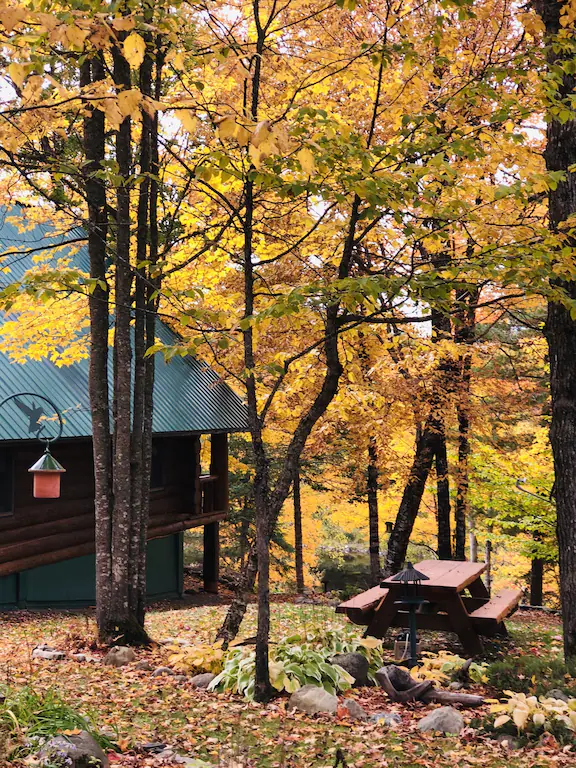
[{"x": 410, "y": 578}]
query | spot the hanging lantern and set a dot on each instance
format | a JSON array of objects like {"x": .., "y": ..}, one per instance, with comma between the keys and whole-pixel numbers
[{"x": 47, "y": 473}]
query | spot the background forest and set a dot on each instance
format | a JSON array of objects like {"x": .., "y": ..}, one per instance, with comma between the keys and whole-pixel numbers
[{"x": 342, "y": 208}]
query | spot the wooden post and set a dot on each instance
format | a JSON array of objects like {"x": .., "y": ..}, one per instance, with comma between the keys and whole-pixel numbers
[
  {"x": 488, "y": 560},
  {"x": 211, "y": 564},
  {"x": 219, "y": 489},
  {"x": 219, "y": 467}
]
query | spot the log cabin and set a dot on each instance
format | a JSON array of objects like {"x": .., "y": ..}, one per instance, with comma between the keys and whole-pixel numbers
[{"x": 47, "y": 545}]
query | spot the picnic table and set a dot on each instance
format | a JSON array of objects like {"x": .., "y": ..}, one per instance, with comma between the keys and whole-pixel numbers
[{"x": 457, "y": 601}]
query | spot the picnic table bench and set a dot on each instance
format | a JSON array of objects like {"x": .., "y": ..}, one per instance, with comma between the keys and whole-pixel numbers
[{"x": 447, "y": 608}]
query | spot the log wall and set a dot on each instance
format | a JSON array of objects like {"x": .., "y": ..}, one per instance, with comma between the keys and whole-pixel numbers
[{"x": 44, "y": 531}]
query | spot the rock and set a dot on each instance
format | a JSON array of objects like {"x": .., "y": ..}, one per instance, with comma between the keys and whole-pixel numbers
[
  {"x": 163, "y": 671},
  {"x": 119, "y": 656},
  {"x": 509, "y": 742},
  {"x": 557, "y": 693},
  {"x": 355, "y": 664},
  {"x": 456, "y": 686},
  {"x": 145, "y": 666},
  {"x": 80, "y": 750},
  {"x": 180, "y": 678},
  {"x": 202, "y": 681},
  {"x": 355, "y": 710},
  {"x": 79, "y": 656},
  {"x": 444, "y": 719},
  {"x": 391, "y": 719},
  {"x": 311, "y": 699},
  {"x": 174, "y": 641},
  {"x": 45, "y": 651}
]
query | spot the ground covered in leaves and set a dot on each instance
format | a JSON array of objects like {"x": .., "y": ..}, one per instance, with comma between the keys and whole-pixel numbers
[{"x": 135, "y": 708}]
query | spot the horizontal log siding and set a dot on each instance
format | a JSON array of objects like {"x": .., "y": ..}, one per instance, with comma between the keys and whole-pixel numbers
[{"x": 45, "y": 531}]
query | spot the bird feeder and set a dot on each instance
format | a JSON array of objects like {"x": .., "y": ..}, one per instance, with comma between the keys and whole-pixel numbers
[
  {"x": 411, "y": 579},
  {"x": 47, "y": 473}
]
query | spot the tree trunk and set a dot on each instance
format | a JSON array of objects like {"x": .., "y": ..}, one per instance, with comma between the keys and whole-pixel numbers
[
  {"x": 93, "y": 70},
  {"x": 298, "y": 543},
  {"x": 464, "y": 334},
  {"x": 411, "y": 498},
  {"x": 373, "y": 522},
  {"x": 233, "y": 619},
  {"x": 443, "y": 496},
  {"x": 560, "y": 333},
  {"x": 536, "y": 582}
]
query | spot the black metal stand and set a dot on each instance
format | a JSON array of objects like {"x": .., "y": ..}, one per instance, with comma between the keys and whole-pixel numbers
[{"x": 412, "y": 603}]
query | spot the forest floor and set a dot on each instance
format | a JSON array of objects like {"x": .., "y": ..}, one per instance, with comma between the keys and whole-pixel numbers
[{"x": 227, "y": 730}]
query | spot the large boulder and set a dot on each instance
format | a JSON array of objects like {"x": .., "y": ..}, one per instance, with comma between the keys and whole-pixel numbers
[
  {"x": 119, "y": 656},
  {"x": 355, "y": 664},
  {"x": 444, "y": 720},
  {"x": 312, "y": 700},
  {"x": 80, "y": 750},
  {"x": 202, "y": 681}
]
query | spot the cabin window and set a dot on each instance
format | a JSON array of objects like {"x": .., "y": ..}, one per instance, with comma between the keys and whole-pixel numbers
[
  {"x": 157, "y": 468},
  {"x": 6, "y": 483},
  {"x": 205, "y": 454}
]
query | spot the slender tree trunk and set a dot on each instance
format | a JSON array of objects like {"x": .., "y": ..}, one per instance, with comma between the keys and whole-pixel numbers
[
  {"x": 298, "y": 543},
  {"x": 92, "y": 70},
  {"x": 235, "y": 614},
  {"x": 560, "y": 333},
  {"x": 443, "y": 496},
  {"x": 411, "y": 498},
  {"x": 373, "y": 521},
  {"x": 464, "y": 334},
  {"x": 536, "y": 582}
]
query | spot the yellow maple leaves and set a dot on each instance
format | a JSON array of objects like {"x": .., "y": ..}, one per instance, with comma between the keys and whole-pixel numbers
[{"x": 134, "y": 49}]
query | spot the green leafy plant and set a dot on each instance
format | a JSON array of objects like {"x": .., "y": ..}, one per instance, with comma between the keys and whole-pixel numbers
[
  {"x": 29, "y": 718},
  {"x": 197, "y": 658},
  {"x": 532, "y": 675},
  {"x": 291, "y": 666}
]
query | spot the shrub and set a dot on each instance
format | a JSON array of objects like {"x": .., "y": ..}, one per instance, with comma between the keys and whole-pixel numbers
[
  {"x": 439, "y": 667},
  {"x": 28, "y": 719},
  {"x": 532, "y": 675},
  {"x": 531, "y": 717},
  {"x": 291, "y": 666},
  {"x": 193, "y": 659}
]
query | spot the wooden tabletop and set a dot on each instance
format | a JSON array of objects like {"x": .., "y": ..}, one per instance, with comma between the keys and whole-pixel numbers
[{"x": 446, "y": 574}]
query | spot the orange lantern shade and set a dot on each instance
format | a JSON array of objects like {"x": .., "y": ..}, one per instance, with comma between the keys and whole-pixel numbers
[{"x": 47, "y": 473}]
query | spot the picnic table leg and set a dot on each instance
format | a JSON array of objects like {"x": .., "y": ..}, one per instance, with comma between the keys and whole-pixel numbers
[
  {"x": 479, "y": 589},
  {"x": 462, "y": 624},
  {"x": 383, "y": 617}
]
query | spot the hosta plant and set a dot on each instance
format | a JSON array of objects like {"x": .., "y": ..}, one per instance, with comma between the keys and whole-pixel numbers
[
  {"x": 193, "y": 659},
  {"x": 441, "y": 666},
  {"x": 533, "y": 716},
  {"x": 290, "y": 667}
]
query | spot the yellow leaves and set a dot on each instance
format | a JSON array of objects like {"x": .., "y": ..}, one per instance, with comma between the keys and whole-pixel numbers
[
  {"x": 12, "y": 16},
  {"x": 134, "y": 49},
  {"x": 188, "y": 120},
  {"x": 520, "y": 717},
  {"x": 74, "y": 37},
  {"x": 306, "y": 160},
  {"x": 261, "y": 133},
  {"x": 227, "y": 127},
  {"x": 501, "y": 720},
  {"x": 129, "y": 103},
  {"x": 18, "y": 73},
  {"x": 123, "y": 23}
]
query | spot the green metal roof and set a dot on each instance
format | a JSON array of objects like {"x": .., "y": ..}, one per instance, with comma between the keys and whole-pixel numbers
[{"x": 188, "y": 395}]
